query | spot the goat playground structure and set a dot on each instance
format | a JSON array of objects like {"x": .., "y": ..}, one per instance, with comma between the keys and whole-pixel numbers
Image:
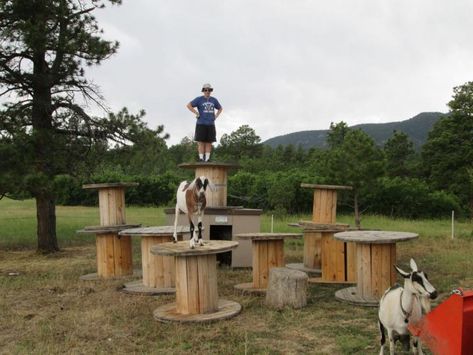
[
  {"x": 333, "y": 251},
  {"x": 222, "y": 222}
]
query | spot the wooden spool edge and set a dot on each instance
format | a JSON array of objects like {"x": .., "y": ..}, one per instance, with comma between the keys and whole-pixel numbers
[
  {"x": 349, "y": 295},
  {"x": 226, "y": 309},
  {"x": 137, "y": 288},
  {"x": 326, "y": 187}
]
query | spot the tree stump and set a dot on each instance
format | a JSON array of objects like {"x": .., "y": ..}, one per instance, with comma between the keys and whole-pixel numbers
[{"x": 286, "y": 287}]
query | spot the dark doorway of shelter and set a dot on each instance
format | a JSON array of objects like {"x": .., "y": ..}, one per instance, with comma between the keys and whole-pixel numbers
[{"x": 222, "y": 233}]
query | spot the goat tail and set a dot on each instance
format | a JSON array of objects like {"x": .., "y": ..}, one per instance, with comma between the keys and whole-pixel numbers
[{"x": 381, "y": 330}]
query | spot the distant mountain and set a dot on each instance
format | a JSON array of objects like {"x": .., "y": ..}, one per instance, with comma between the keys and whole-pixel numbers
[{"x": 417, "y": 128}]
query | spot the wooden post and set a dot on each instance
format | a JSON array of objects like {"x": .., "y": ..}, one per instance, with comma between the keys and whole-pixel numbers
[{"x": 114, "y": 253}]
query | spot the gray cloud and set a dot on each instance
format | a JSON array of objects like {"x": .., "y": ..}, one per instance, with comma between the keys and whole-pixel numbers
[{"x": 284, "y": 66}]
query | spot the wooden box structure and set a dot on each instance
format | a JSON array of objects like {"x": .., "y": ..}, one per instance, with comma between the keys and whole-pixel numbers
[
  {"x": 375, "y": 259},
  {"x": 222, "y": 222},
  {"x": 114, "y": 253},
  {"x": 158, "y": 270},
  {"x": 268, "y": 253},
  {"x": 196, "y": 283},
  {"x": 333, "y": 259}
]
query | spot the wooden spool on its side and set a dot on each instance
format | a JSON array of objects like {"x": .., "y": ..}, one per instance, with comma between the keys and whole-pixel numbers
[
  {"x": 196, "y": 284},
  {"x": 114, "y": 256}
]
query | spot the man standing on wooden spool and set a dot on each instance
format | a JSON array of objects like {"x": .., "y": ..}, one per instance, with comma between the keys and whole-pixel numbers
[{"x": 205, "y": 133}]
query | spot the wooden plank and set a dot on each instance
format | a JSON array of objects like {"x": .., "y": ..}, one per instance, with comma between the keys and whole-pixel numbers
[
  {"x": 333, "y": 214},
  {"x": 393, "y": 262},
  {"x": 263, "y": 264},
  {"x": 255, "y": 263},
  {"x": 326, "y": 187},
  {"x": 203, "y": 291},
  {"x": 322, "y": 206},
  {"x": 168, "y": 271},
  {"x": 275, "y": 254},
  {"x": 316, "y": 206},
  {"x": 146, "y": 262},
  {"x": 339, "y": 260},
  {"x": 182, "y": 304},
  {"x": 101, "y": 258},
  {"x": 366, "y": 291},
  {"x": 193, "y": 295},
  {"x": 109, "y": 247},
  {"x": 213, "y": 301},
  {"x": 386, "y": 267},
  {"x": 182, "y": 248},
  {"x": 120, "y": 206},
  {"x": 359, "y": 265},
  {"x": 158, "y": 270},
  {"x": 122, "y": 256},
  {"x": 328, "y": 207},
  {"x": 377, "y": 280},
  {"x": 103, "y": 196},
  {"x": 325, "y": 257},
  {"x": 351, "y": 262}
]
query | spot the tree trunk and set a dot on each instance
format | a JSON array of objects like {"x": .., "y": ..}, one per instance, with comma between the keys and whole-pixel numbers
[
  {"x": 46, "y": 224},
  {"x": 43, "y": 139},
  {"x": 357, "y": 212}
]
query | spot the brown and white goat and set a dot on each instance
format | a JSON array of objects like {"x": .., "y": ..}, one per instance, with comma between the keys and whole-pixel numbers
[{"x": 191, "y": 200}]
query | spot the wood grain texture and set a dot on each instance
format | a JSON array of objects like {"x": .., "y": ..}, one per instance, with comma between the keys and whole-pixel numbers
[
  {"x": 182, "y": 248},
  {"x": 375, "y": 237},
  {"x": 267, "y": 236}
]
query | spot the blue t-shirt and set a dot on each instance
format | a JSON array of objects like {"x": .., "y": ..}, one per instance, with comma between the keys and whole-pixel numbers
[{"x": 206, "y": 108}]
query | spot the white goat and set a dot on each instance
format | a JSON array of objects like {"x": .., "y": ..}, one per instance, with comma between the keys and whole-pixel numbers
[
  {"x": 192, "y": 201},
  {"x": 401, "y": 305}
]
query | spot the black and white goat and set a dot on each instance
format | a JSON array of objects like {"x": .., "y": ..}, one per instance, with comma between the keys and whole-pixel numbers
[
  {"x": 402, "y": 305},
  {"x": 191, "y": 200}
]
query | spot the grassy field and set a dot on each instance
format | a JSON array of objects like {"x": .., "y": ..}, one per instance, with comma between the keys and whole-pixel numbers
[{"x": 44, "y": 308}]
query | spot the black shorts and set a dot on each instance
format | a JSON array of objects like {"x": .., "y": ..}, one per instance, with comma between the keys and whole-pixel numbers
[{"x": 205, "y": 133}]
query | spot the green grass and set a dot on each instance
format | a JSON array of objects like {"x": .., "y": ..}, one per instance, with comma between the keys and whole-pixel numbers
[{"x": 45, "y": 309}]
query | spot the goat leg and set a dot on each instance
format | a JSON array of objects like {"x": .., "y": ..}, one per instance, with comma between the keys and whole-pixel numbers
[
  {"x": 176, "y": 215},
  {"x": 192, "y": 230}
]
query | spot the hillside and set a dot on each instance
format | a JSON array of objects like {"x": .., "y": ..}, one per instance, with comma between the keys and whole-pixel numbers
[{"x": 417, "y": 128}]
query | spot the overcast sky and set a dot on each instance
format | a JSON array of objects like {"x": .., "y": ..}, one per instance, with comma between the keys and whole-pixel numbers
[{"x": 285, "y": 66}]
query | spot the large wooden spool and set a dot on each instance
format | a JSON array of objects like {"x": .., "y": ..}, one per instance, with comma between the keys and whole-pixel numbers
[
  {"x": 375, "y": 259},
  {"x": 196, "y": 283},
  {"x": 217, "y": 173},
  {"x": 114, "y": 253}
]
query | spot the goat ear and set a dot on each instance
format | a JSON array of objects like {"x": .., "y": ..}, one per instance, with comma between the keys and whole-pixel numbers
[
  {"x": 413, "y": 265},
  {"x": 212, "y": 187},
  {"x": 402, "y": 272}
]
